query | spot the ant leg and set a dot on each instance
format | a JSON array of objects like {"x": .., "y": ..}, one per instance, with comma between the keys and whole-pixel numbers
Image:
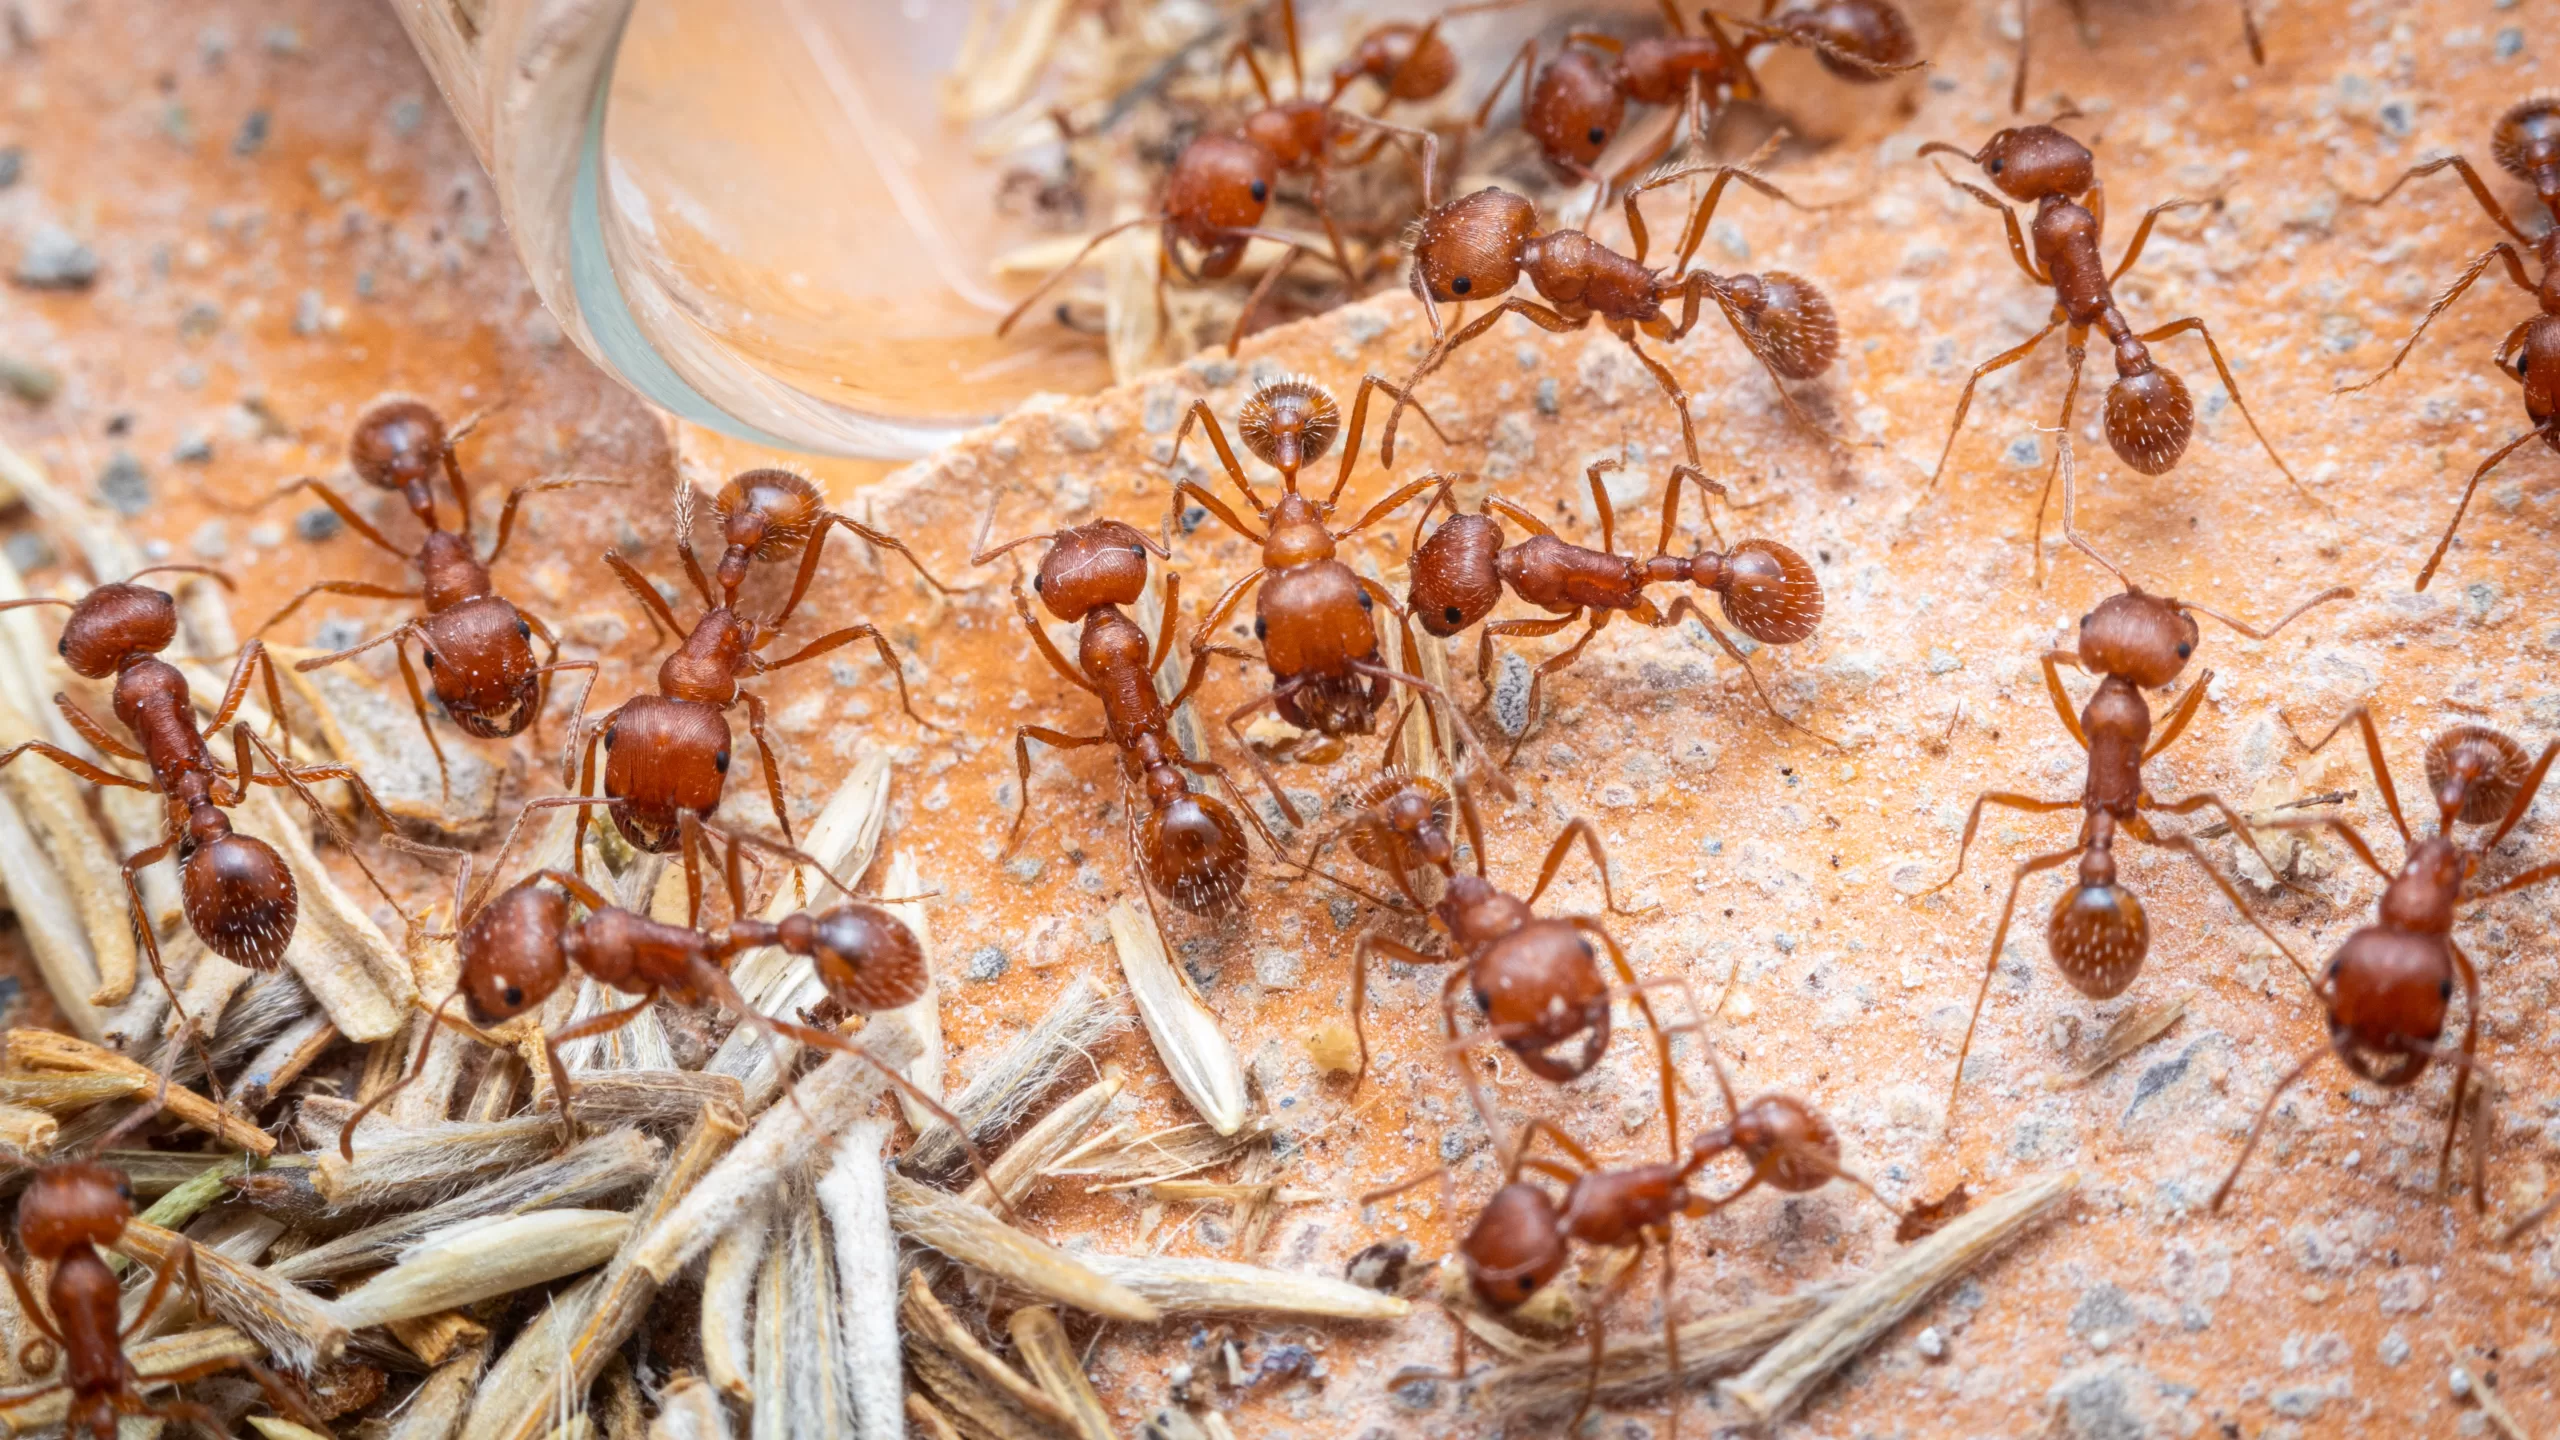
[
  {"x": 2462, "y": 1082},
  {"x": 1360, "y": 423},
  {"x": 2179, "y": 717},
  {"x": 1522, "y": 629},
  {"x": 418, "y": 704},
  {"x": 515, "y": 499},
  {"x": 357, "y": 588},
  {"x": 1707, "y": 490},
  {"x": 2062, "y": 698},
  {"x": 1525, "y": 60},
  {"x": 2541, "y": 431},
  {"x": 1495, "y": 504},
  {"x": 2354, "y": 841},
  {"x": 1578, "y": 828},
  {"x": 1050, "y": 280},
  {"x": 2208, "y": 800},
  {"x": 439, "y": 1016},
  {"x": 2470, "y": 177},
  {"x": 1999, "y": 937},
  {"x": 28, "y": 1308},
  {"x": 1687, "y": 605},
  {"x": 84, "y": 769},
  {"x": 89, "y": 729},
  {"x": 1673, "y": 391},
  {"x": 253, "y": 659},
  {"x": 2018, "y": 82},
  {"x": 1549, "y": 320},
  {"x": 1392, "y": 503},
  {"x": 2363, "y": 719},
  {"x": 347, "y": 514},
  {"x": 1466, "y": 733},
  {"x": 2196, "y": 324},
  {"x": 2188, "y": 847},
  {"x": 1269, "y": 699},
  {"x": 846, "y": 636},
  {"x": 2258, "y": 1125},
  {"x": 817, "y": 543},
  {"x": 2076, "y": 355},
  {"x": 1048, "y": 648},
  {"x": 2017, "y": 237},
  {"x": 2524, "y": 798},
  {"x": 771, "y": 764},
  {"x": 1538, "y": 676},
  {"x": 1023, "y": 735},
  {"x": 1185, "y": 490},
  {"x": 1661, "y": 1035},
  {"x": 1207, "y": 419},
  {"x": 662, "y": 617},
  {"x": 1598, "y": 1308},
  {"x": 1964, "y": 402},
  {"x": 2142, "y": 233},
  {"x": 1373, "y": 943},
  {"x": 1225, "y": 603}
]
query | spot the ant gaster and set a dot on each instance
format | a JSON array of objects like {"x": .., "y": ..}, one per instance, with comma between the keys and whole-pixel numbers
[
  {"x": 1767, "y": 590},
  {"x": 2527, "y": 145},
  {"x": 1314, "y": 616},
  {"x": 2386, "y": 990},
  {"x": 1476, "y": 247},
  {"x": 1189, "y": 845},
  {"x": 668, "y": 754},
  {"x": 478, "y": 646},
  {"x": 2149, "y": 414},
  {"x": 70, "y": 1212},
  {"x": 1410, "y": 63},
  {"x": 2097, "y": 933}
]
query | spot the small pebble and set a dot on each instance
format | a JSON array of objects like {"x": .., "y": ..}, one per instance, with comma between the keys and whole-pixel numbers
[
  {"x": 407, "y": 114},
  {"x": 282, "y": 40},
  {"x": 987, "y": 962},
  {"x": 310, "y": 312},
  {"x": 267, "y": 535},
  {"x": 13, "y": 164},
  {"x": 55, "y": 259},
  {"x": 1025, "y": 868},
  {"x": 318, "y": 523},
  {"x": 194, "y": 448},
  {"x": 253, "y": 134},
  {"x": 27, "y": 550},
  {"x": 29, "y": 380},
  {"x": 1931, "y": 1344},
  {"x": 212, "y": 540},
  {"x": 123, "y": 485}
]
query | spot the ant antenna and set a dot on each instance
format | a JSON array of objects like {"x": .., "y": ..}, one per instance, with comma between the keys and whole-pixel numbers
[
  {"x": 206, "y": 571},
  {"x": 2070, "y": 474},
  {"x": 2334, "y": 592}
]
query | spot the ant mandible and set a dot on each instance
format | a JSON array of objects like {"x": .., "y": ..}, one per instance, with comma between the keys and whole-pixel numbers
[
  {"x": 1188, "y": 844},
  {"x": 1214, "y": 197},
  {"x": 478, "y": 646},
  {"x": 1314, "y": 616},
  {"x": 1459, "y": 574},
  {"x": 239, "y": 897},
  {"x": 516, "y": 950},
  {"x": 1477, "y": 246},
  {"x": 2386, "y": 989},
  {"x": 2527, "y": 145},
  {"x": 668, "y": 754},
  {"x": 70, "y": 1212},
  {"x": 2133, "y": 641},
  {"x": 2149, "y": 414}
]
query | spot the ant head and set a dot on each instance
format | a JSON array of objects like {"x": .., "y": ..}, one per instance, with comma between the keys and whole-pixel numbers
[
  {"x": 2475, "y": 772},
  {"x": 768, "y": 513},
  {"x": 2387, "y": 991},
  {"x": 1787, "y": 1141},
  {"x": 1789, "y": 323},
  {"x": 396, "y": 444},
  {"x": 1769, "y": 592},
  {"x": 2527, "y": 137},
  {"x": 2031, "y": 162},
  {"x": 2421, "y": 897},
  {"x": 1515, "y": 1247},
  {"x": 2097, "y": 933},
  {"x": 866, "y": 957},
  {"x": 1104, "y": 563},
  {"x": 1576, "y": 106},
  {"x": 1862, "y": 39},
  {"x": 479, "y": 658},
  {"x": 114, "y": 624},
  {"x": 1219, "y": 183},
  {"x": 2149, "y": 418},
  {"x": 1289, "y": 424},
  {"x": 514, "y": 952},
  {"x": 1455, "y": 583},
  {"x": 73, "y": 1203},
  {"x": 1291, "y": 132},
  {"x": 239, "y": 897},
  {"x": 1390, "y": 56},
  {"x": 1470, "y": 248},
  {"x": 2144, "y": 638},
  {"x": 1193, "y": 848}
]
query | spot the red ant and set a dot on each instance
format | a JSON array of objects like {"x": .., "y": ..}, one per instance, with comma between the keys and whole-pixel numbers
[
  {"x": 517, "y": 949},
  {"x": 477, "y": 645},
  {"x": 1523, "y": 1235},
  {"x": 1187, "y": 844},
  {"x": 1459, "y": 574},
  {"x": 1477, "y": 246},
  {"x": 1860, "y": 41},
  {"x": 2527, "y": 144},
  {"x": 238, "y": 894},
  {"x": 1399, "y": 824},
  {"x": 2386, "y": 989},
  {"x": 2018, "y": 84},
  {"x": 2149, "y": 414},
  {"x": 2133, "y": 641},
  {"x": 1220, "y": 185},
  {"x": 1409, "y": 62},
  {"x": 1314, "y": 616},
  {"x": 70, "y": 1212},
  {"x": 668, "y": 754}
]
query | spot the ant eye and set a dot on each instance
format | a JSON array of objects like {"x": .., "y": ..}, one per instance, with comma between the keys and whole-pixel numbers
[
  {"x": 608, "y": 737},
  {"x": 1138, "y": 550},
  {"x": 1365, "y": 602},
  {"x": 1259, "y": 629},
  {"x": 523, "y": 631},
  {"x": 2444, "y": 989},
  {"x": 62, "y": 646},
  {"x": 1598, "y": 135},
  {"x": 1996, "y": 166},
  {"x": 1261, "y": 192},
  {"x": 1461, "y": 285},
  {"x": 2185, "y": 650},
  {"x": 431, "y": 658},
  {"x": 720, "y": 762},
  {"x": 1040, "y": 583},
  {"x": 514, "y": 995},
  {"x": 1454, "y": 615}
]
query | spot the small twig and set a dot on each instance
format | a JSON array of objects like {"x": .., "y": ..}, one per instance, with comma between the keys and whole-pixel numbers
[{"x": 2220, "y": 828}]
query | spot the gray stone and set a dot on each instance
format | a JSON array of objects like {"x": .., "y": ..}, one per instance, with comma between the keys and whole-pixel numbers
[
  {"x": 2107, "y": 1401},
  {"x": 27, "y": 550},
  {"x": 212, "y": 540},
  {"x": 310, "y": 313},
  {"x": 2103, "y": 1316},
  {"x": 987, "y": 962},
  {"x": 252, "y": 136},
  {"x": 123, "y": 485},
  {"x": 318, "y": 523},
  {"x": 55, "y": 259},
  {"x": 13, "y": 164},
  {"x": 1511, "y": 695}
]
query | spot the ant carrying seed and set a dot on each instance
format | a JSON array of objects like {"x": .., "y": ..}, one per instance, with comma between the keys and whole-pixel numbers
[
  {"x": 70, "y": 1213},
  {"x": 517, "y": 949},
  {"x": 1220, "y": 185},
  {"x": 1314, "y": 615},
  {"x": 2149, "y": 414},
  {"x": 478, "y": 646},
  {"x": 1187, "y": 844},
  {"x": 2133, "y": 641},
  {"x": 2386, "y": 989},
  {"x": 2527, "y": 145},
  {"x": 1477, "y": 247},
  {"x": 239, "y": 897},
  {"x": 1767, "y": 590},
  {"x": 668, "y": 754}
]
